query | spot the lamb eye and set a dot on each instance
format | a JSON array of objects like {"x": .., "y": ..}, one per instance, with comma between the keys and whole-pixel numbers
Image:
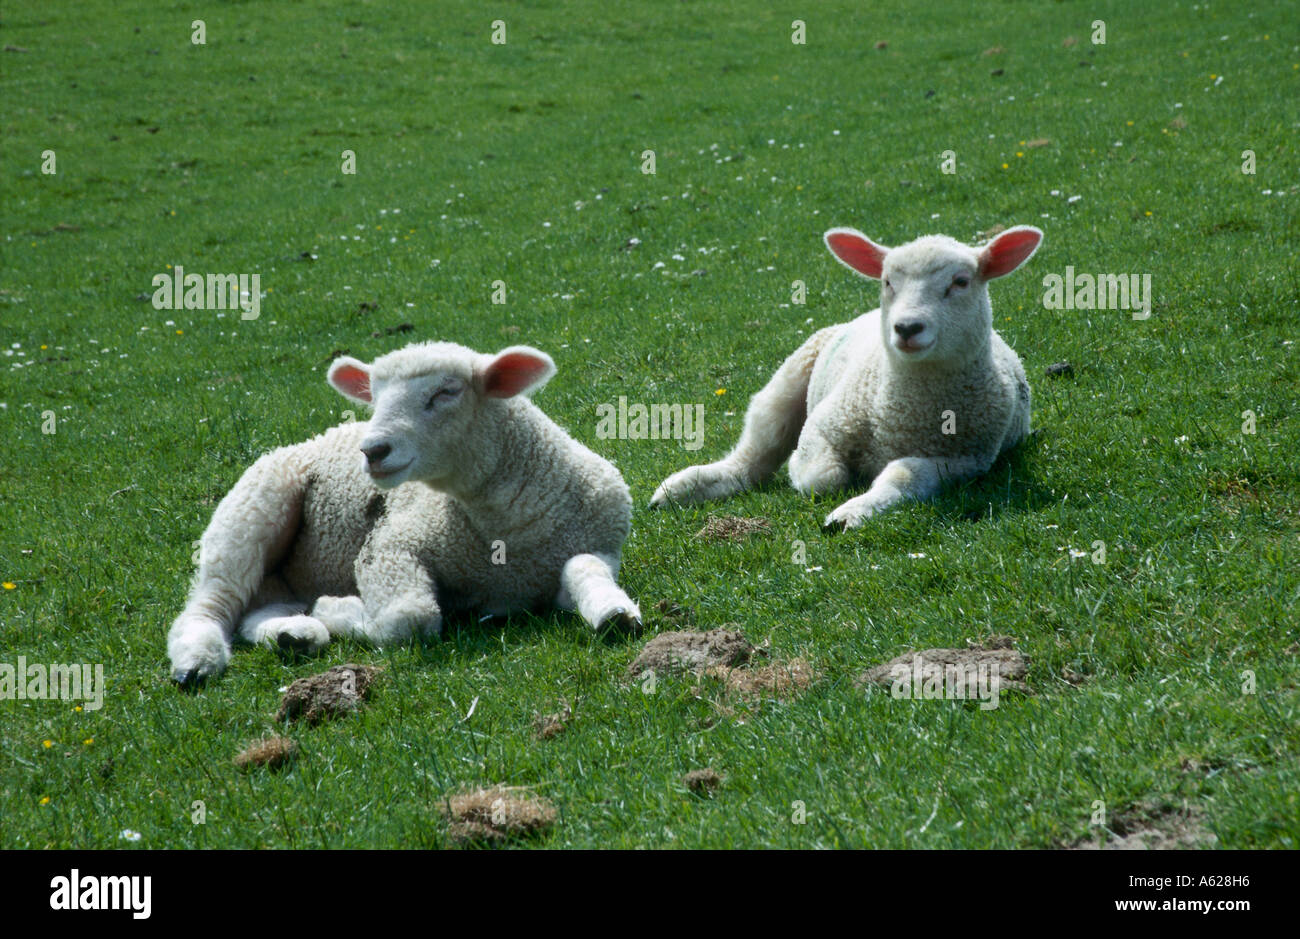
[
  {"x": 961, "y": 281},
  {"x": 887, "y": 284},
  {"x": 440, "y": 393}
]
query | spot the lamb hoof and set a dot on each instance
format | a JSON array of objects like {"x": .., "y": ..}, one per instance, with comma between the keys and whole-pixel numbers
[
  {"x": 298, "y": 634},
  {"x": 187, "y": 677},
  {"x": 620, "y": 620},
  {"x": 293, "y": 643}
]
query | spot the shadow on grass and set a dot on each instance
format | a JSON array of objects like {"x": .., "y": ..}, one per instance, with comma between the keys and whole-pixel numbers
[
  {"x": 468, "y": 636},
  {"x": 1009, "y": 487}
]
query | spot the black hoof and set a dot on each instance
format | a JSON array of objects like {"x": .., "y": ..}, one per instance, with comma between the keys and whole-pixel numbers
[
  {"x": 187, "y": 678},
  {"x": 293, "y": 643},
  {"x": 620, "y": 622}
]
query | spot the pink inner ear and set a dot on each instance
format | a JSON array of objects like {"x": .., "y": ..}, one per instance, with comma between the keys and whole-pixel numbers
[
  {"x": 352, "y": 381},
  {"x": 511, "y": 373},
  {"x": 857, "y": 252},
  {"x": 1007, "y": 252}
]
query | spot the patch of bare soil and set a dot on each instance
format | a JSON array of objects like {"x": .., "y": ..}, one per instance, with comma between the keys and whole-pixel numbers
[
  {"x": 779, "y": 681},
  {"x": 680, "y": 652},
  {"x": 495, "y": 815},
  {"x": 337, "y": 691},
  {"x": 1163, "y": 829},
  {"x": 547, "y": 726},
  {"x": 997, "y": 656},
  {"x": 733, "y": 528},
  {"x": 271, "y": 752},
  {"x": 701, "y": 781},
  {"x": 674, "y": 612}
]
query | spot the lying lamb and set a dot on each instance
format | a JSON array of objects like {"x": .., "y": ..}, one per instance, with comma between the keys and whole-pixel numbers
[
  {"x": 917, "y": 393},
  {"x": 468, "y": 498}
]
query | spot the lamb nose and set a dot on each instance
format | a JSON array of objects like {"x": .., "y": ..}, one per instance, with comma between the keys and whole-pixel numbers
[
  {"x": 908, "y": 330},
  {"x": 377, "y": 453}
]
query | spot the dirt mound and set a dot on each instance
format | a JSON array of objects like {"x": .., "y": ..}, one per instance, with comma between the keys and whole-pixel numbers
[
  {"x": 701, "y": 781},
  {"x": 1146, "y": 829},
  {"x": 488, "y": 816},
  {"x": 332, "y": 693},
  {"x": 733, "y": 528},
  {"x": 676, "y": 613},
  {"x": 779, "y": 680},
  {"x": 996, "y": 657},
  {"x": 271, "y": 752},
  {"x": 680, "y": 652},
  {"x": 546, "y": 726}
]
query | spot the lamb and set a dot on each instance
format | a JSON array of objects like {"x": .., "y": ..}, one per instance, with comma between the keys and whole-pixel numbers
[
  {"x": 913, "y": 395},
  {"x": 458, "y": 494}
]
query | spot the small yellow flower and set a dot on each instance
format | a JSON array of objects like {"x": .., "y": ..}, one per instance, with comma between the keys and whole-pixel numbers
[
  {"x": 720, "y": 391},
  {"x": 77, "y": 708},
  {"x": 180, "y": 332},
  {"x": 1006, "y": 166},
  {"x": 44, "y": 347},
  {"x": 45, "y": 800},
  {"x": 1148, "y": 212},
  {"x": 10, "y": 585},
  {"x": 798, "y": 187},
  {"x": 88, "y": 741},
  {"x": 1020, "y": 153},
  {"x": 47, "y": 743},
  {"x": 1129, "y": 123},
  {"x": 1213, "y": 76}
]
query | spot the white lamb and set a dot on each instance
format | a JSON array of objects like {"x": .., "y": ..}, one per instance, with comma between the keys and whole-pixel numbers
[
  {"x": 468, "y": 498},
  {"x": 913, "y": 395}
]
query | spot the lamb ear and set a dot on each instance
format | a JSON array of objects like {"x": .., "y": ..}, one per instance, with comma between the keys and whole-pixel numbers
[
  {"x": 856, "y": 251},
  {"x": 350, "y": 378},
  {"x": 1008, "y": 251},
  {"x": 517, "y": 370}
]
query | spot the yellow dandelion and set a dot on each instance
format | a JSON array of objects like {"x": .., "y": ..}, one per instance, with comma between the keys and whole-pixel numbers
[
  {"x": 77, "y": 708},
  {"x": 720, "y": 391},
  {"x": 180, "y": 332},
  {"x": 10, "y": 585},
  {"x": 44, "y": 347},
  {"x": 798, "y": 187},
  {"x": 47, "y": 743},
  {"x": 45, "y": 800},
  {"x": 88, "y": 741},
  {"x": 1006, "y": 166},
  {"x": 1020, "y": 153},
  {"x": 1128, "y": 123},
  {"x": 1148, "y": 212}
]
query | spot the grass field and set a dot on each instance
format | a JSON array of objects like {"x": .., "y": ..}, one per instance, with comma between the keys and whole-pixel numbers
[{"x": 522, "y": 162}]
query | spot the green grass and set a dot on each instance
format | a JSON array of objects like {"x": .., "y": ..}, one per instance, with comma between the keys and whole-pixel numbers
[{"x": 226, "y": 158}]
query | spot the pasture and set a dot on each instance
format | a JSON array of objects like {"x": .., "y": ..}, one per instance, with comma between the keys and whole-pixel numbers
[{"x": 1141, "y": 547}]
